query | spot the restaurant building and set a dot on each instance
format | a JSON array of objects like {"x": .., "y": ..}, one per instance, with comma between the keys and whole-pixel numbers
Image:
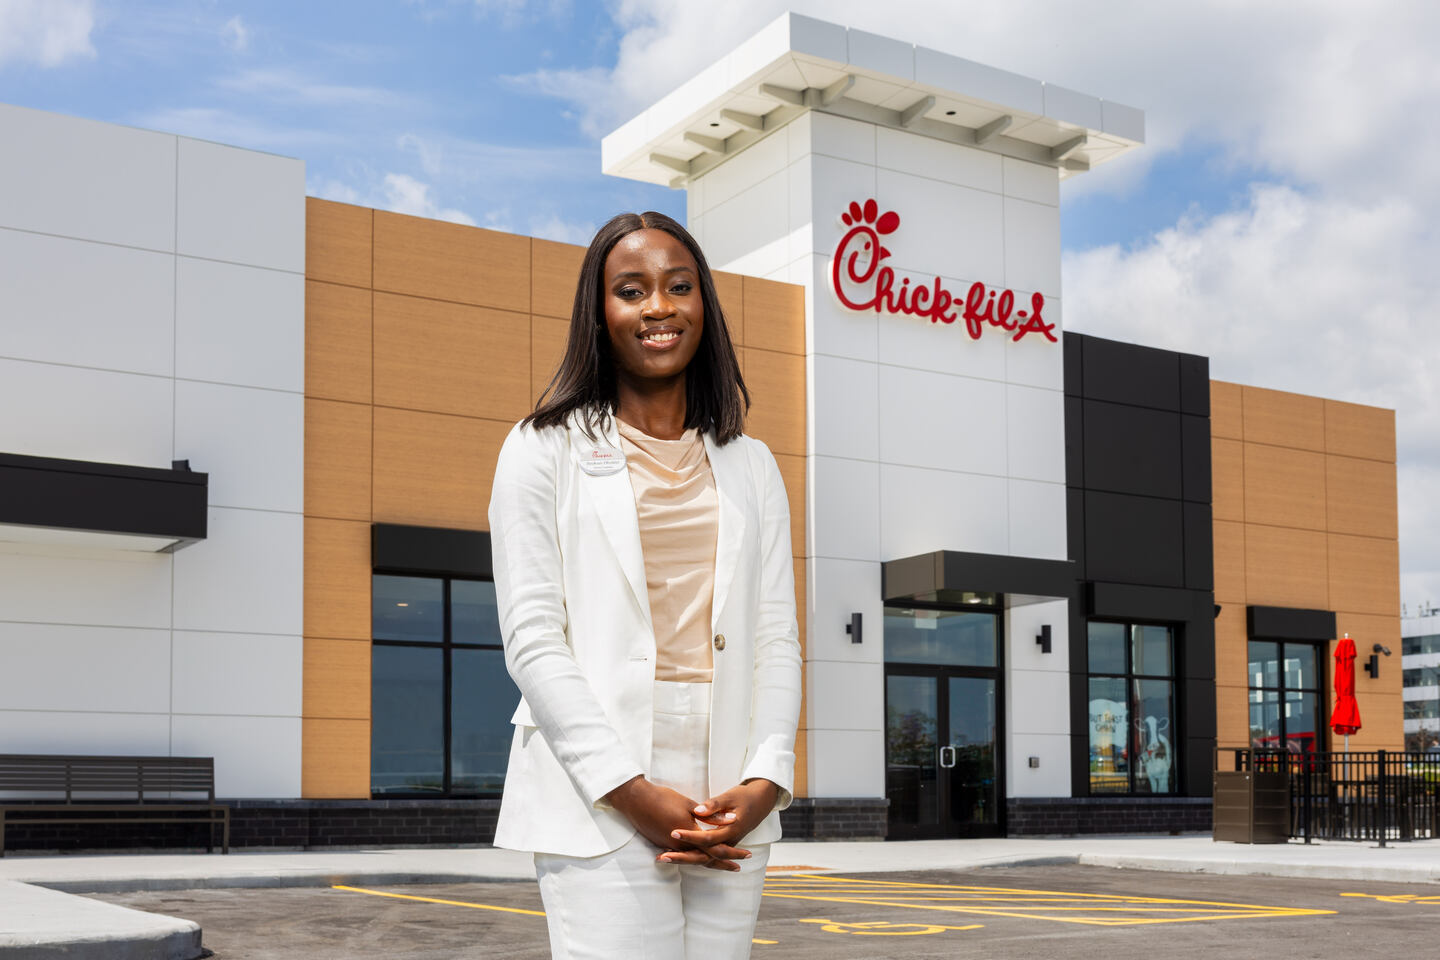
[{"x": 1040, "y": 576}]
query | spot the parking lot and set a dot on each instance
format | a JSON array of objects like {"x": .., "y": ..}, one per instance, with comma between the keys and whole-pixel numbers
[{"x": 1052, "y": 911}]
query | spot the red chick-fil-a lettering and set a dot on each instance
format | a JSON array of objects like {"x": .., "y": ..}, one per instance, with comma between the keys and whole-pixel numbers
[{"x": 861, "y": 283}]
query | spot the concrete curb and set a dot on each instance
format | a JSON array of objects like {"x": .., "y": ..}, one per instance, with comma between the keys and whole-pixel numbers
[
  {"x": 1400, "y": 873},
  {"x": 162, "y": 884},
  {"x": 41, "y": 924}
]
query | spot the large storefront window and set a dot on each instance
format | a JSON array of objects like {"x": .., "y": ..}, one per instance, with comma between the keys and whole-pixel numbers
[
  {"x": 1132, "y": 708},
  {"x": 440, "y": 697},
  {"x": 1284, "y": 695}
]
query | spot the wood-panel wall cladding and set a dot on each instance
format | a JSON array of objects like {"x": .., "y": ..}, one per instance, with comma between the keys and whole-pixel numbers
[
  {"x": 1305, "y": 516},
  {"x": 424, "y": 343}
]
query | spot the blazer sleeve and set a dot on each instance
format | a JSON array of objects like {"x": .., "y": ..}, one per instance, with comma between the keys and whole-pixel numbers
[
  {"x": 775, "y": 701},
  {"x": 529, "y": 592}
]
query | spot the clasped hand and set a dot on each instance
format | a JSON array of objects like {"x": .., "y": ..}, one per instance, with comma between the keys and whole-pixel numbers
[{"x": 702, "y": 833}]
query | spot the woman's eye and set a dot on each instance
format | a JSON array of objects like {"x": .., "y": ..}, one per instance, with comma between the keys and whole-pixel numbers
[
  {"x": 629, "y": 293},
  {"x": 681, "y": 288}
]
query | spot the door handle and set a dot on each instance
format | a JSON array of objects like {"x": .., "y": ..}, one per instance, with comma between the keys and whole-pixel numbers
[{"x": 954, "y": 756}]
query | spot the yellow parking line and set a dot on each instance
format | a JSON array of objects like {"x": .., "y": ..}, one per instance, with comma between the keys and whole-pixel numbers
[
  {"x": 462, "y": 903},
  {"x": 448, "y": 903}
]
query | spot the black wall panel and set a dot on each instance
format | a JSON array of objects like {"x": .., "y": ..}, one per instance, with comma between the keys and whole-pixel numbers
[
  {"x": 1195, "y": 385},
  {"x": 1131, "y": 450},
  {"x": 1195, "y": 458},
  {"x": 1140, "y": 525},
  {"x": 1126, "y": 373},
  {"x": 1133, "y": 539}
]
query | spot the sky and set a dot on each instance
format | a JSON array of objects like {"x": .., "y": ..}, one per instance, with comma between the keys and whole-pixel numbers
[{"x": 1281, "y": 218}]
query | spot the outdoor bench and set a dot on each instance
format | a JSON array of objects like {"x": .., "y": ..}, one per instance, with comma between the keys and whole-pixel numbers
[{"x": 70, "y": 789}]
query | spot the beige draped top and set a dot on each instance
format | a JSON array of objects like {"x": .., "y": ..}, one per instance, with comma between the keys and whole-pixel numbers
[{"x": 678, "y": 510}]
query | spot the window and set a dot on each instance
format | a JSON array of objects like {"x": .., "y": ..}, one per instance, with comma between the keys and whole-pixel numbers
[
  {"x": 1132, "y": 708},
  {"x": 1284, "y": 695},
  {"x": 1425, "y": 644},
  {"x": 1422, "y": 709},
  {"x": 1422, "y": 677},
  {"x": 440, "y": 697}
]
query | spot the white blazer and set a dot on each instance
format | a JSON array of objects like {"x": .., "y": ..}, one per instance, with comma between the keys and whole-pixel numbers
[{"x": 575, "y": 617}]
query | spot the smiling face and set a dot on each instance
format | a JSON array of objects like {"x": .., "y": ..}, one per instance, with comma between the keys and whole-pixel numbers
[{"x": 654, "y": 312}]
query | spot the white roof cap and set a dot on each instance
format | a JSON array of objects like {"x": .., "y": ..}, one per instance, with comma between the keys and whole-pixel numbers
[{"x": 799, "y": 63}]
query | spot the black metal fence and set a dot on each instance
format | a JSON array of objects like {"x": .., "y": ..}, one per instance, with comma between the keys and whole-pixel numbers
[{"x": 1379, "y": 795}]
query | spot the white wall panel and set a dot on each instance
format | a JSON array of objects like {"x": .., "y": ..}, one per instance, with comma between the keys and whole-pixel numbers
[
  {"x": 1037, "y": 519},
  {"x": 844, "y": 508},
  {"x": 1035, "y": 428},
  {"x": 87, "y": 304},
  {"x": 835, "y": 330},
  {"x": 240, "y": 325},
  {"x": 834, "y": 185},
  {"x": 246, "y": 578},
  {"x": 81, "y": 414},
  {"x": 255, "y": 757},
  {"x": 944, "y": 230},
  {"x": 846, "y": 763},
  {"x": 250, "y": 441},
  {"x": 1022, "y": 624},
  {"x": 752, "y": 165},
  {"x": 749, "y": 233},
  {"x": 1035, "y": 182},
  {"x": 943, "y": 422},
  {"x": 124, "y": 670},
  {"x": 1051, "y": 778},
  {"x": 1032, "y": 247},
  {"x": 1035, "y": 361},
  {"x": 240, "y": 206},
  {"x": 846, "y": 696},
  {"x": 845, "y": 390},
  {"x": 105, "y": 734},
  {"x": 927, "y": 157},
  {"x": 919, "y": 343},
  {"x": 842, "y": 138},
  {"x": 229, "y": 673},
  {"x": 926, "y": 510},
  {"x": 80, "y": 178},
  {"x": 118, "y": 588},
  {"x": 837, "y": 589},
  {"x": 1037, "y": 701}
]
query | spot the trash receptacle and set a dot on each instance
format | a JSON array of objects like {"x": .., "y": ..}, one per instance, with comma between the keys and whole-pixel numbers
[{"x": 1252, "y": 806}]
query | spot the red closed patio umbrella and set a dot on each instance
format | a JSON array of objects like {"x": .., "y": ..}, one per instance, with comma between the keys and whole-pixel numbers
[{"x": 1345, "y": 718}]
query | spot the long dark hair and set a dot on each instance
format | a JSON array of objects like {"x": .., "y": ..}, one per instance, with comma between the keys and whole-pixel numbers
[{"x": 716, "y": 399}]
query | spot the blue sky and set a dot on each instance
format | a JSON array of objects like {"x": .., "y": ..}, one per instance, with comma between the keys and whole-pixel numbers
[{"x": 1280, "y": 219}]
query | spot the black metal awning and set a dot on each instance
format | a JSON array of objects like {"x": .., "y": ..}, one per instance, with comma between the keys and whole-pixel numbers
[
  {"x": 938, "y": 576},
  {"x": 48, "y": 500}
]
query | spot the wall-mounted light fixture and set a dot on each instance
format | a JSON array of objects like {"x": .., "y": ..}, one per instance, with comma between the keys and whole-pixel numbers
[
  {"x": 1043, "y": 638},
  {"x": 1372, "y": 666},
  {"x": 853, "y": 628}
]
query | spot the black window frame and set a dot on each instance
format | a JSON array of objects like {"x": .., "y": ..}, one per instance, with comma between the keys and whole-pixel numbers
[
  {"x": 1320, "y": 650},
  {"x": 447, "y": 645},
  {"x": 1177, "y": 685}
]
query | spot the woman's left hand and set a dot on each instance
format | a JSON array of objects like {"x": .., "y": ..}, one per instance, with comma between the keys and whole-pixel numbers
[{"x": 734, "y": 813}]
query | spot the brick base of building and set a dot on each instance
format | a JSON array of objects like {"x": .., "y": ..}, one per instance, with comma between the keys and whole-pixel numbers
[
  {"x": 1072, "y": 816},
  {"x": 281, "y": 824},
  {"x": 835, "y": 818},
  {"x": 314, "y": 824}
]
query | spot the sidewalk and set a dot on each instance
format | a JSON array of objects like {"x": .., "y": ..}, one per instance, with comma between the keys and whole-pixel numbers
[{"x": 36, "y": 921}]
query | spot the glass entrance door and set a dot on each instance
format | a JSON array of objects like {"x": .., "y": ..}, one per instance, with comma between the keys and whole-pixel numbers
[
  {"x": 943, "y": 747},
  {"x": 942, "y": 755}
]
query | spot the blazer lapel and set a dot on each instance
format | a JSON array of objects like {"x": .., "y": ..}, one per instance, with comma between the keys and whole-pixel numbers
[
  {"x": 728, "y": 467},
  {"x": 613, "y": 499}
]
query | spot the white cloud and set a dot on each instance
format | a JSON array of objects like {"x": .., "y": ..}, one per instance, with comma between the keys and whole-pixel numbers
[
  {"x": 235, "y": 34},
  {"x": 1323, "y": 282},
  {"x": 405, "y": 194},
  {"x": 554, "y": 227},
  {"x": 46, "y": 32},
  {"x": 283, "y": 85}
]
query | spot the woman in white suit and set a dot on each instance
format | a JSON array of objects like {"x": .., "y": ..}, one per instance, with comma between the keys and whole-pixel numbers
[{"x": 646, "y": 595}]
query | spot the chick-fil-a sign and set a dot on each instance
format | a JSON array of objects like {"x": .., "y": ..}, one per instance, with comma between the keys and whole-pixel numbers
[{"x": 857, "y": 262}]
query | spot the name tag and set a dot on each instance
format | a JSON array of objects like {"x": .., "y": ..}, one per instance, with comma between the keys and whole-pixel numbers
[{"x": 602, "y": 460}]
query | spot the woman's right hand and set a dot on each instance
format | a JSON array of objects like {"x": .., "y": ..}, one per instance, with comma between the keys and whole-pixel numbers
[{"x": 657, "y": 812}]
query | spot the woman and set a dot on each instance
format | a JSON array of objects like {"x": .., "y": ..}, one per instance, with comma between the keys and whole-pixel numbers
[{"x": 646, "y": 594}]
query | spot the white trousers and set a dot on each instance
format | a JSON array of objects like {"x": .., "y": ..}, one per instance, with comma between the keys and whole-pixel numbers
[{"x": 623, "y": 905}]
